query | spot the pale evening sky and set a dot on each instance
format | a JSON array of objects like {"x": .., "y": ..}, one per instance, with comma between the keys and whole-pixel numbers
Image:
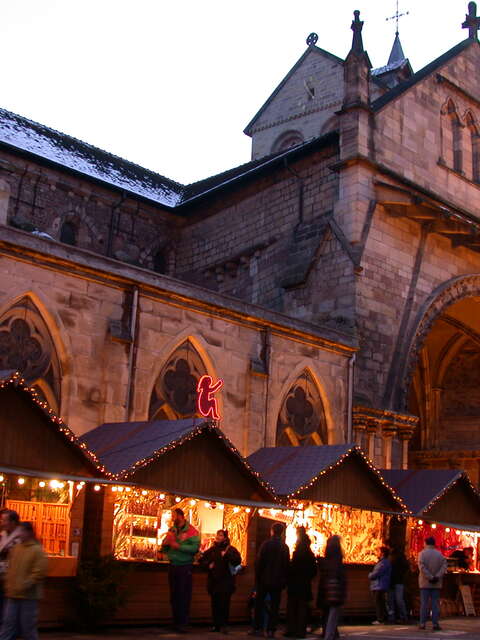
[{"x": 171, "y": 85}]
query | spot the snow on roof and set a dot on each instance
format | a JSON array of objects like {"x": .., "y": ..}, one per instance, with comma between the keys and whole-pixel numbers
[{"x": 69, "y": 152}]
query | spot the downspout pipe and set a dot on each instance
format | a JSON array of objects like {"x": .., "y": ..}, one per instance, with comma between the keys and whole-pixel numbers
[
  {"x": 351, "y": 366},
  {"x": 132, "y": 353}
]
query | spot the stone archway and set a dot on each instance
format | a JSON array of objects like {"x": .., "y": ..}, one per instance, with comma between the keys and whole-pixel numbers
[{"x": 441, "y": 378}]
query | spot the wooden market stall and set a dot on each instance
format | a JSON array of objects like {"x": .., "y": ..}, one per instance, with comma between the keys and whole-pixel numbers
[
  {"x": 444, "y": 504},
  {"x": 46, "y": 475},
  {"x": 333, "y": 489},
  {"x": 160, "y": 465}
]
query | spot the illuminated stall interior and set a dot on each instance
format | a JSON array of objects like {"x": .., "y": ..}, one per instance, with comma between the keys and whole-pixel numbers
[
  {"x": 44, "y": 471},
  {"x": 332, "y": 490},
  {"x": 445, "y": 505},
  {"x": 175, "y": 463}
]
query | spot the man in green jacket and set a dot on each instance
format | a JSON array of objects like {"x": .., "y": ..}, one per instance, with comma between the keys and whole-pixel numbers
[{"x": 181, "y": 544}]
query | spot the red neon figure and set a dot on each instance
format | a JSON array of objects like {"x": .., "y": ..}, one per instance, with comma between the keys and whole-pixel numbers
[{"x": 207, "y": 405}]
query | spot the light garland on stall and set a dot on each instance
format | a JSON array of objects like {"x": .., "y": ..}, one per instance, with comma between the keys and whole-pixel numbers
[
  {"x": 358, "y": 451},
  {"x": 16, "y": 380},
  {"x": 461, "y": 476}
]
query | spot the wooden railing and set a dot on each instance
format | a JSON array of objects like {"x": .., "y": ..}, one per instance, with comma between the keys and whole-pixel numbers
[{"x": 51, "y": 522}]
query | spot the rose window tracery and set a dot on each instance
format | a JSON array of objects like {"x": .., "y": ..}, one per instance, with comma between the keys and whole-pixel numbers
[{"x": 301, "y": 420}]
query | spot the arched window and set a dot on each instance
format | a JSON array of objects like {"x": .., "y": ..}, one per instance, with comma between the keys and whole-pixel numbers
[
  {"x": 301, "y": 420},
  {"x": 286, "y": 140},
  {"x": 68, "y": 233},
  {"x": 175, "y": 391},
  {"x": 474, "y": 146},
  {"x": 452, "y": 137},
  {"x": 27, "y": 346}
]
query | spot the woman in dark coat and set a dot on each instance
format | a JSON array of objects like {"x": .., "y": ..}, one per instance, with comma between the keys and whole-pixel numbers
[
  {"x": 301, "y": 571},
  {"x": 221, "y": 560},
  {"x": 332, "y": 587}
]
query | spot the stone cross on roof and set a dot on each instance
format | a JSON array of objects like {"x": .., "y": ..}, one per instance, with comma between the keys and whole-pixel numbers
[
  {"x": 472, "y": 21},
  {"x": 397, "y": 17},
  {"x": 357, "y": 25}
]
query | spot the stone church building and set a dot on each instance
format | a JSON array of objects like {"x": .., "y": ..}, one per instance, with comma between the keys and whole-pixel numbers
[{"x": 332, "y": 282}]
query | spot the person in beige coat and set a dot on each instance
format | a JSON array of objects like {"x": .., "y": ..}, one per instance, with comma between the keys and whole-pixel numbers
[
  {"x": 432, "y": 567},
  {"x": 27, "y": 566}
]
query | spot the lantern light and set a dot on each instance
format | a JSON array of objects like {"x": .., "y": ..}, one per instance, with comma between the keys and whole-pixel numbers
[
  {"x": 247, "y": 510},
  {"x": 144, "y": 492},
  {"x": 21, "y": 481},
  {"x": 178, "y": 499},
  {"x": 1, "y": 478},
  {"x": 97, "y": 487},
  {"x": 162, "y": 496},
  {"x": 41, "y": 484}
]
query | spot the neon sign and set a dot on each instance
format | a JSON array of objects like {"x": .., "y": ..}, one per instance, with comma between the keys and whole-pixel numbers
[{"x": 206, "y": 404}]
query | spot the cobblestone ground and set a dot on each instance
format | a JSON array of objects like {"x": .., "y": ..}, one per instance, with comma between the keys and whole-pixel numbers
[{"x": 455, "y": 628}]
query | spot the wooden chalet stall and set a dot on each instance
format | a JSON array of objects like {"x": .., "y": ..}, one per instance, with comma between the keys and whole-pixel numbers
[
  {"x": 444, "y": 504},
  {"x": 161, "y": 465},
  {"x": 46, "y": 475},
  {"x": 333, "y": 490}
]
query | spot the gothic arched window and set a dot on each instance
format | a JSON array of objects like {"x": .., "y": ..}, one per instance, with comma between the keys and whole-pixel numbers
[
  {"x": 286, "y": 140},
  {"x": 474, "y": 146},
  {"x": 301, "y": 420},
  {"x": 452, "y": 137},
  {"x": 175, "y": 390},
  {"x": 68, "y": 233},
  {"x": 27, "y": 346}
]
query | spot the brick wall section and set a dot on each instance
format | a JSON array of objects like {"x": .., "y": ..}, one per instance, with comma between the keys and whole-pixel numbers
[
  {"x": 242, "y": 244},
  {"x": 407, "y": 131},
  {"x": 44, "y": 198}
]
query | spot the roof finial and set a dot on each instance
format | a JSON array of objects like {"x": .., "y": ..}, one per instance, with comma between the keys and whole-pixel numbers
[
  {"x": 312, "y": 39},
  {"x": 472, "y": 21},
  {"x": 397, "y": 17},
  {"x": 357, "y": 25}
]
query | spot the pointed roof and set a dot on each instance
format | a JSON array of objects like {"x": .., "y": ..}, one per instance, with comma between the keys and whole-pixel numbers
[
  {"x": 185, "y": 456},
  {"x": 311, "y": 49},
  {"x": 34, "y": 439},
  {"x": 396, "y": 54},
  {"x": 339, "y": 473}
]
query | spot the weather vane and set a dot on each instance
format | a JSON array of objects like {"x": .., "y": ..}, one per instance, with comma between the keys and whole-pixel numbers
[{"x": 397, "y": 17}]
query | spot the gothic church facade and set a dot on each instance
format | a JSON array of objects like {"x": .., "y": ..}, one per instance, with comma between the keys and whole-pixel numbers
[{"x": 333, "y": 281}]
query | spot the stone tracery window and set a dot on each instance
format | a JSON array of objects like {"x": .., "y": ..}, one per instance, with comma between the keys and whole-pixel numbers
[
  {"x": 301, "y": 420},
  {"x": 27, "y": 346},
  {"x": 174, "y": 392}
]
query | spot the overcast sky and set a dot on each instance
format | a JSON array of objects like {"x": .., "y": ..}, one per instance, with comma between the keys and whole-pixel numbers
[{"x": 171, "y": 84}]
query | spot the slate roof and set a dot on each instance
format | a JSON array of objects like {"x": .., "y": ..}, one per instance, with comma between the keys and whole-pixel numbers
[
  {"x": 420, "y": 75},
  {"x": 419, "y": 487},
  {"x": 124, "y": 447},
  {"x": 289, "y": 468},
  {"x": 33, "y": 138}
]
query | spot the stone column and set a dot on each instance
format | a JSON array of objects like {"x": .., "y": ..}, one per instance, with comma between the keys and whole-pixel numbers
[
  {"x": 405, "y": 433},
  {"x": 372, "y": 427},
  {"x": 389, "y": 430}
]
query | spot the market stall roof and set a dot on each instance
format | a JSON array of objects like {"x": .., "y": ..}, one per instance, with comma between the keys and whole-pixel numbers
[
  {"x": 190, "y": 457},
  {"x": 443, "y": 495},
  {"x": 34, "y": 441},
  {"x": 339, "y": 474}
]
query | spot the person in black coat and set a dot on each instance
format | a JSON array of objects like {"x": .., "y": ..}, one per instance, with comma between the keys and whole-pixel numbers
[
  {"x": 271, "y": 573},
  {"x": 221, "y": 560},
  {"x": 332, "y": 587},
  {"x": 302, "y": 570}
]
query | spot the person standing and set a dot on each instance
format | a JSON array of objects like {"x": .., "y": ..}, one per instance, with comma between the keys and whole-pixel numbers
[
  {"x": 221, "y": 560},
  {"x": 380, "y": 584},
  {"x": 181, "y": 544},
  {"x": 271, "y": 572},
  {"x": 396, "y": 595},
  {"x": 301, "y": 572},
  {"x": 9, "y": 537},
  {"x": 432, "y": 567},
  {"x": 335, "y": 586},
  {"x": 27, "y": 566}
]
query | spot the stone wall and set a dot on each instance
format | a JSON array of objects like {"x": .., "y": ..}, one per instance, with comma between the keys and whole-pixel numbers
[{"x": 83, "y": 297}]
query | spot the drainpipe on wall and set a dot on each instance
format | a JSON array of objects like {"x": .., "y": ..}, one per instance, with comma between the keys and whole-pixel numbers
[
  {"x": 351, "y": 363},
  {"x": 131, "y": 353}
]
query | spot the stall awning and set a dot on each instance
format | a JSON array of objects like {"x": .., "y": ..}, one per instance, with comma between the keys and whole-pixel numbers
[
  {"x": 338, "y": 474},
  {"x": 190, "y": 457},
  {"x": 440, "y": 495},
  {"x": 33, "y": 438}
]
